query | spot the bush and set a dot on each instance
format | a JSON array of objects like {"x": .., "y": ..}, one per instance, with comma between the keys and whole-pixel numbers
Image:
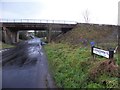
[{"x": 94, "y": 85}]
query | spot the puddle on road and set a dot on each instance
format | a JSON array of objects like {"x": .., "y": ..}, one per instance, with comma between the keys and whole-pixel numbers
[
  {"x": 33, "y": 51},
  {"x": 26, "y": 53},
  {"x": 34, "y": 41}
]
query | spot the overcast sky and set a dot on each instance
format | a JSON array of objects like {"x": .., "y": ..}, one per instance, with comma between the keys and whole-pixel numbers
[{"x": 100, "y": 11}]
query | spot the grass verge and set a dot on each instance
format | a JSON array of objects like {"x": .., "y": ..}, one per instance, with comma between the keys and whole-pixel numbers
[
  {"x": 3, "y": 45},
  {"x": 73, "y": 67}
]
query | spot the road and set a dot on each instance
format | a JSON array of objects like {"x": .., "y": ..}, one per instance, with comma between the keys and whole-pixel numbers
[{"x": 26, "y": 66}]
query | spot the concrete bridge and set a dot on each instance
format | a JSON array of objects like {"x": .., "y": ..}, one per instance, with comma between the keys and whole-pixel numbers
[{"x": 11, "y": 27}]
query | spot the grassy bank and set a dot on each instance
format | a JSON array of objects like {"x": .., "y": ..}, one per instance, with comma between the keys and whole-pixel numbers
[
  {"x": 73, "y": 67},
  {"x": 85, "y": 33},
  {"x": 3, "y": 45}
]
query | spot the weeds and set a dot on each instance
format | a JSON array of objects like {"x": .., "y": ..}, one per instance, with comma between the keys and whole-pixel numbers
[{"x": 71, "y": 68}]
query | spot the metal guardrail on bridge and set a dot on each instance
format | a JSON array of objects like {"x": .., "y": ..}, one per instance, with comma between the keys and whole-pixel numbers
[{"x": 36, "y": 21}]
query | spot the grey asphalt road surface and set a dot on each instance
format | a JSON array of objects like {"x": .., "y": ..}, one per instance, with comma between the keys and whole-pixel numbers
[{"x": 26, "y": 66}]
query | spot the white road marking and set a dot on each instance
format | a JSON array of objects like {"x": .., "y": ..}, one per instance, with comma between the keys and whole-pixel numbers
[{"x": 3, "y": 50}]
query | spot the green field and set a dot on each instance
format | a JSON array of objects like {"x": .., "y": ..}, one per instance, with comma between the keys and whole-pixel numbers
[{"x": 74, "y": 67}]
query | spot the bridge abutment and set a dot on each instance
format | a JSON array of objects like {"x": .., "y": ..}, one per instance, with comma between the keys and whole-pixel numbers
[
  {"x": 6, "y": 35},
  {"x": 9, "y": 36}
]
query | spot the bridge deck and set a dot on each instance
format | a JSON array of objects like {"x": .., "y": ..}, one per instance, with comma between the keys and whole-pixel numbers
[{"x": 36, "y": 24}]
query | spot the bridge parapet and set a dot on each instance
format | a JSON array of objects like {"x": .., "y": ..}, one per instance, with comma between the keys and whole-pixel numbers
[{"x": 36, "y": 21}]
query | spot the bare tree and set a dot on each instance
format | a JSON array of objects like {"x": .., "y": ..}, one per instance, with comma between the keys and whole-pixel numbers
[{"x": 86, "y": 16}]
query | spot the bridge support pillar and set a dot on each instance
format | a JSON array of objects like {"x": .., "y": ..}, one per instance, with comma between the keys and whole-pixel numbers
[
  {"x": 49, "y": 34},
  {"x": 15, "y": 37},
  {"x": 10, "y": 37},
  {"x": 6, "y": 36}
]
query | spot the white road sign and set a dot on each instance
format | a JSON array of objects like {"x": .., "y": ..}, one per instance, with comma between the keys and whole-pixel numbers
[{"x": 101, "y": 52}]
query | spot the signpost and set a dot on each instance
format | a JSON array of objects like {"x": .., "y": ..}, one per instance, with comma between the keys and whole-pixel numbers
[
  {"x": 101, "y": 52},
  {"x": 107, "y": 54}
]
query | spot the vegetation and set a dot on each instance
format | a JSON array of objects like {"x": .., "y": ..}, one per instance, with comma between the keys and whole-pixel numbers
[
  {"x": 74, "y": 67},
  {"x": 83, "y": 34},
  {"x": 71, "y": 62},
  {"x": 3, "y": 45}
]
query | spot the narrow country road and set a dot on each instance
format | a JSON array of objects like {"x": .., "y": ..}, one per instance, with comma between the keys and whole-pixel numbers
[{"x": 26, "y": 66}]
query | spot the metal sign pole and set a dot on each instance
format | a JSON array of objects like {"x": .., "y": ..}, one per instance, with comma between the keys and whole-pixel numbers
[
  {"x": 92, "y": 46},
  {"x": 111, "y": 54},
  {"x": 92, "y": 52}
]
